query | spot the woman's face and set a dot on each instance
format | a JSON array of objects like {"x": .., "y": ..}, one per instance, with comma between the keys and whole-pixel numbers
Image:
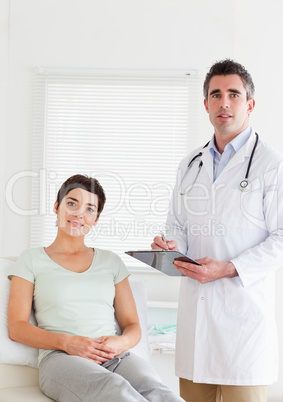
[{"x": 77, "y": 212}]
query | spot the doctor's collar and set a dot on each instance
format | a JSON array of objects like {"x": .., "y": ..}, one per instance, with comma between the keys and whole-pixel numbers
[{"x": 235, "y": 144}]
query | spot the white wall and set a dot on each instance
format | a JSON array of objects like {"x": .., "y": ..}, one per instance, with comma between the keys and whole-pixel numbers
[
  {"x": 4, "y": 57},
  {"x": 133, "y": 34}
]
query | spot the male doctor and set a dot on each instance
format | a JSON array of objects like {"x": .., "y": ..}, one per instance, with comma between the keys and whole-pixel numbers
[{"x": 227, "y": 213}]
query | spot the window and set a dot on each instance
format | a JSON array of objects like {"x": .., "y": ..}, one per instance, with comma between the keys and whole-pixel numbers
[{"x": 129, "y": 130}]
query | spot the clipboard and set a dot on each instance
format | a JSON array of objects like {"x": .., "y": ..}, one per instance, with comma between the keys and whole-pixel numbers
[{"x": 162, "y": 260}]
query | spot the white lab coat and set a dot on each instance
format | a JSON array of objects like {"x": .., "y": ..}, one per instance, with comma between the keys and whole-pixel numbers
[{"x": 226, "y": 331}]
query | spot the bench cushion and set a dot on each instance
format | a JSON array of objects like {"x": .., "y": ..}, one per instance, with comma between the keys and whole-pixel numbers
[
  {"x": 23, "y": 394},
  {"x": 12, "y": 352}
]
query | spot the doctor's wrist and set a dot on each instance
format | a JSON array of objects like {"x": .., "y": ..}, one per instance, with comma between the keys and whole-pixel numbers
[{"x": 230, "y": 270}]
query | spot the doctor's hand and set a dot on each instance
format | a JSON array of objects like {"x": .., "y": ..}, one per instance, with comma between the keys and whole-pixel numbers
[
  {"x": 158, "y": 244},
  {"x": 209, "y": 270}
]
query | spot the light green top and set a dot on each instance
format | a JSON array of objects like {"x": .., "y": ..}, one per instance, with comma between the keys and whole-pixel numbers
[{"x": 70, "y": 302}]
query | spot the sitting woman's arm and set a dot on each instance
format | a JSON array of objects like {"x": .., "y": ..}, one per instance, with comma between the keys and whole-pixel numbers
[
  {"x": 20, "y": 330},
  {"x": 127, "y": 317}
]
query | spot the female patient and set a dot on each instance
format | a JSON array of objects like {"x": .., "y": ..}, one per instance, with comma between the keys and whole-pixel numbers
[{"x": 75, "y": 291}]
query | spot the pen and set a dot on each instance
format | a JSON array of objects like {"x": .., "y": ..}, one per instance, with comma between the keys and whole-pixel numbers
[{"x": 163, "y": 237}]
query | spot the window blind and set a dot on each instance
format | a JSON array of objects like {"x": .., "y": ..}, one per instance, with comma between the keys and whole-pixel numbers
[{"x": 129, "y": 130}]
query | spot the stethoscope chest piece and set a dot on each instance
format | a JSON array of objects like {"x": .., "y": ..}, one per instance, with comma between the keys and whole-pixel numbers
[{"x": 245, "y": 185}]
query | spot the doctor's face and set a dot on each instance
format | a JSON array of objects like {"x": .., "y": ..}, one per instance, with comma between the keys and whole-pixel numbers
[{"x": 228, "y": 106}]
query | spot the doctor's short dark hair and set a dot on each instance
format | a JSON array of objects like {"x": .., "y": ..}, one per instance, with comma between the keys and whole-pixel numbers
[
  {"x": 229, "y": 67},
  {"x": 86, "y": 183}
]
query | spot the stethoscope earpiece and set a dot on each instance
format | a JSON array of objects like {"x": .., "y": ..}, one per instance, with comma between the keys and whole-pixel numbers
[{"x": 245, "y": 185}]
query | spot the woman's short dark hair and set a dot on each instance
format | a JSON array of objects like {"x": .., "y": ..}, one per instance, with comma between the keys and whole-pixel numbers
[
  {"x": 229, "y": 67},
  {"x": 86, "y": 183}
]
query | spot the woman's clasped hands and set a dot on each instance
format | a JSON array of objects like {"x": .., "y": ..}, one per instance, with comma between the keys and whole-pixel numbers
[{"x": 99, "y": 350}]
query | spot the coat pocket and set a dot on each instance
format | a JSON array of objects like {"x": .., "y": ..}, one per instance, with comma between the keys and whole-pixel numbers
[
  {"x": 243, "y": 300},
  {"x": 244, "y": 210}
]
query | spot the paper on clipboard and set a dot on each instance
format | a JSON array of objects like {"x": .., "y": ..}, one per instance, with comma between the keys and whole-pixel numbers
[{"x": 162, "y": 260}]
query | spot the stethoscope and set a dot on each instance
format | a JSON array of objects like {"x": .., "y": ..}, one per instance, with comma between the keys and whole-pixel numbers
[{"x": 245, "y": 184}]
